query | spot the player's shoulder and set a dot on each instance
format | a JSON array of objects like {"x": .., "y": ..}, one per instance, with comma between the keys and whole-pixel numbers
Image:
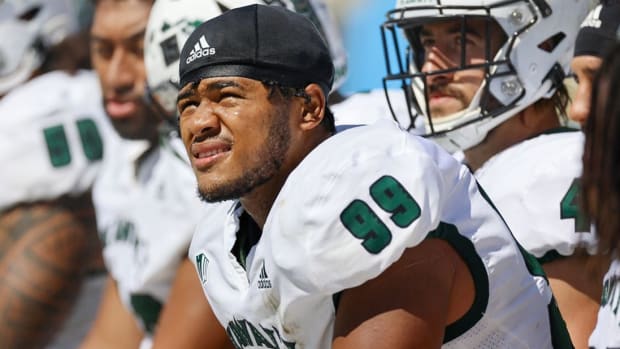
[
  {"x": 58, "y": 83},
  {"x": 554, "y": 153},
  {"x": 361, "y": 154},
  {"x": 364, "y": 108},
  {"x": 54, "y": 95},
  {"x": 376, "y": 175},
  {"x": 384, "y": 137}
]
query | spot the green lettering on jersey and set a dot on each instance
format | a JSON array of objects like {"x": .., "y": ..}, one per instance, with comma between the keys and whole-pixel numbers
[
  {"x": 271, "y": 335},
  {"x": 259, "y": 339},
  {"x": 238, "y": 332},
  {"x": 363, "y": 223},
  {"x": 91, "y": 139},
  {"x": 392, "y": 197},
  {"x": 570, "y": 208},
  {"x": 125, "y": 231},
  {"x": 611, "y": 294},
  {"x": 58, "y": 145},
  {"x": 609, "y": 289}
]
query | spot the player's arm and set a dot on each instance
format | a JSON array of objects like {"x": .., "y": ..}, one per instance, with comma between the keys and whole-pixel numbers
[
  {"x": 577, "y": 287},
  {"x": 114, "y": 327},
  {"x": 408, "y": 305},
  {"x": 44, "y": 250},
  {"x": 187, "y": 320}
]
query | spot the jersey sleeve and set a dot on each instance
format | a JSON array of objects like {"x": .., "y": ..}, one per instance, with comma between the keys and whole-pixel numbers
[
  {"x": 355, "y": 205},
  {"x": 52, "y": 135},
  {"x": 537, "y": 194}
]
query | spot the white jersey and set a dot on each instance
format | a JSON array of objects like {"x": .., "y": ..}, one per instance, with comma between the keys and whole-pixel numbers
[
  {"x": 606, "y": 334},
  {"x": 365, "y": 108},
  {"x": 344, "y": 215},
  {"x": 146, "y": 215},
  {"x": 535, "y": 186},
  {"x": 52, "y": 132}
]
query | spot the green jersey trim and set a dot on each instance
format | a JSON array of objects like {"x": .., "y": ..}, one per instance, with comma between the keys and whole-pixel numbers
[
  {"x": 555, "y": 130},
  {"x": 550, "y": 256},
  {"x": 467, "y": 251},
  {"x": 560, "y": 339}
]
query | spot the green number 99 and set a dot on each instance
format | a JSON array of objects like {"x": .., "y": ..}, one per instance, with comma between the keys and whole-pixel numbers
[{"x": 363, "y": 223}]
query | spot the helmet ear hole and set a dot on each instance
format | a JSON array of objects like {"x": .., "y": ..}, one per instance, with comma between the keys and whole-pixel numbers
[
  {"x": 31, "y": 14},
  {"x": 549, "y": 44},
  {"x": 170, "y": 50}
]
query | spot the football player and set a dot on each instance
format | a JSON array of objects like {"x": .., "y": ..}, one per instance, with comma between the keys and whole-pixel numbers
[
  {"x": 487, "y": 79},
  {"x": 145, "y": 224},
  {"x": 366, "y": 237},
  {"x": 51, "y": 146},
  {"x": 146, "y": 218}
]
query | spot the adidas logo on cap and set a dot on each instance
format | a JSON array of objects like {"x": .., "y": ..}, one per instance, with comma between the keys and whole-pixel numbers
[{"x": 201, "y": 49}]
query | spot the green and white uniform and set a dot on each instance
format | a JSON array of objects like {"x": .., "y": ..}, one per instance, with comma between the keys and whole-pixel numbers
[
  {"x": 147, "y": 210},
  {"x": 51, "y": 138},
  {"x": 343, "y": 216},
  {"x": 534, "y": 185},
  {"x": 606, "y": 334},
  {"x": 53, "y": 131}
]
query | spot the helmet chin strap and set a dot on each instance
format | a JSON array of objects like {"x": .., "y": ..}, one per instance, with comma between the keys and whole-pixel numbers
[{"x": 446, "y": 123}]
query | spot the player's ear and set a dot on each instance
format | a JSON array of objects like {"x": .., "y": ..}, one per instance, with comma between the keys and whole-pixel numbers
[{"x": 313, "y": 108}]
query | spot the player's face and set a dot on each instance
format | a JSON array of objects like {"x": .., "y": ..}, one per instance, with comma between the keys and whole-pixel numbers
[
  {"x": 235, "y": 133},
  {"x": 117, "y": 55},
  {"x": 454, "y": 91},
  {"x": 584, "y": 68}
]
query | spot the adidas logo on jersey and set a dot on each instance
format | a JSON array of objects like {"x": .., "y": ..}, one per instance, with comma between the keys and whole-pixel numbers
[
  {"x": 201, "y": 49},
  {"x": 263, "y": 279}
]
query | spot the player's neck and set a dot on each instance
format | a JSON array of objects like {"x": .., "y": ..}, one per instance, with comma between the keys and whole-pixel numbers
[
  {"x": 528, "y": 123},
  {"x": 258, "y": 202}
]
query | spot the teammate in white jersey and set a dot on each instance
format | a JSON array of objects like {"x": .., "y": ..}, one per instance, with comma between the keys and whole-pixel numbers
[
  {"x": 601, "y": 191},
  {"x": 136, "y": 232},
  {"x": 145, "y": 220},
  {"x": 51, "y": 144},
  {"x": 333, "y": 232},
  {"x": 487, "y": 79}
]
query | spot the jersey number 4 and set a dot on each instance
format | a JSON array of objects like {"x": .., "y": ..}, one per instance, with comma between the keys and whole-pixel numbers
[
  {"x": 58, "y": 145},
  {"x": 570, "y": 209},
  {"x": 364, "y": 223}
]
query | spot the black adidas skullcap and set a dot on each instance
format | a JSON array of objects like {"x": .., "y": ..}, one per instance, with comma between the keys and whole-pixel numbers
[
  {"x": 598, "y": 31},
  {"x": 260, "y": 42}
]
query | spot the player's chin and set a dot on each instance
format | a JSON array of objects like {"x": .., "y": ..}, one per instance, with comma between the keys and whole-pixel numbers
[{"x": 211, "y": 190}]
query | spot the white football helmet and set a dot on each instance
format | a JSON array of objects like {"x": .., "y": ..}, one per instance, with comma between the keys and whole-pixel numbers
[
  {"x": 28, "y": 28},
  {"x": 520, "y": 73},
  {"x": 172, "y": 21}
]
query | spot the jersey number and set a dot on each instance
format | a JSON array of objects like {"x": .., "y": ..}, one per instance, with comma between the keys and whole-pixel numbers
[
  {"x": 364, "y": 223},
  {"x": 58, "y": 145},
  {"x": 569, "y": 208}
]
